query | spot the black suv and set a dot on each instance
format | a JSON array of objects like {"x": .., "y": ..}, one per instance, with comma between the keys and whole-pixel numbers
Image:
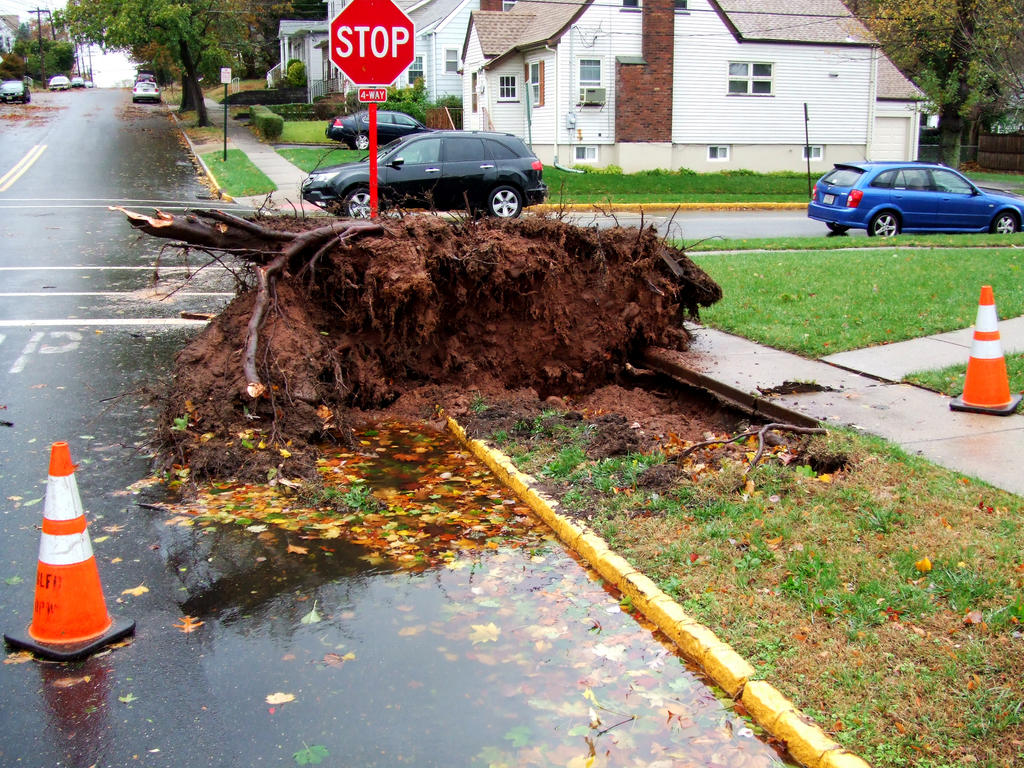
[
  {"x": 442, "y": 171},
  {"x": 354, "y": 130}
]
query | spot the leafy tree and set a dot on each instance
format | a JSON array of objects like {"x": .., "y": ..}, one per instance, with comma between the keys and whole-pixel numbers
[
  {"x": 197, "y": 36},
  {"x": 957, "y": 51},
  {"x": 58, "y": 56},
  {"x": 12, "y": 67}
]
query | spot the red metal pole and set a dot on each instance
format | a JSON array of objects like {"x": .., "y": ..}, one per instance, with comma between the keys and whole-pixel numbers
[{"x": 373, "y": 160}]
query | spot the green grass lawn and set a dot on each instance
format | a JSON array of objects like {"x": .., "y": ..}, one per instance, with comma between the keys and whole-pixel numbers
[
  {"x": 310, "y": 159},
  {"x": 666, "y": 186},
  {"x": 816, "y": 303},
  {"x": 306, "y": 132},
  {"x": 238, "y": 176}
]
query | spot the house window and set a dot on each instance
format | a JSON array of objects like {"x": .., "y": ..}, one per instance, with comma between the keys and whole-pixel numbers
[
  {"x": 508, "y": 5},
  {"x": 813, "y": 152},
  {"x": 630, "y": 3},
  {"x": 753, "y": 79},
  {"x": 451, "y": 61},
  {"x": 680, "y": 5},
  {"x": 537, "y": 83},
  {"x": 472, "y": 89},
  {"x": 590, "y": 73},
  {"x": 507, "y": 88},
  {"x": 585, "y": 153},
  {"x": 718, "y": 153},
  {"x": 416, "y": 70}
]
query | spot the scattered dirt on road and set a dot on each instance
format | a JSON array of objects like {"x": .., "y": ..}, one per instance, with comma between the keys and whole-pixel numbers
[{"x": 438, "y": 314}]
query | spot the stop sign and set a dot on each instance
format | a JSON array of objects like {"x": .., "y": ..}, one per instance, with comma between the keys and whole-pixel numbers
[{"x": 372, "y": 41}]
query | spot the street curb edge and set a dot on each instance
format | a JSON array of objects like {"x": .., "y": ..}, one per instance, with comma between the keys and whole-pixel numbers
[{"x": 806, "y": 741}]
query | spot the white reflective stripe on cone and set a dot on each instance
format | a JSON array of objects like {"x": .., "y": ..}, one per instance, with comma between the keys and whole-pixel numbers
[
  {"x": 68, "y": 549},
  {"x": 62, "y": 500},
  {"x": 986, "y": 350},
  {"x": 987, "y": 318}
]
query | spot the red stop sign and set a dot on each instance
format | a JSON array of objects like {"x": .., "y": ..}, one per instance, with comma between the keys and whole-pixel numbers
[{"x": 372, "y": 41}]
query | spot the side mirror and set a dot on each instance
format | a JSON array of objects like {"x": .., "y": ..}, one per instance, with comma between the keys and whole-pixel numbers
[{"x": 397, "y": 163}]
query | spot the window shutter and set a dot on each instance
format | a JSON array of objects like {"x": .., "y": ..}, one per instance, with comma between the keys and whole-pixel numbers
[{"x": 541, "y": 100}]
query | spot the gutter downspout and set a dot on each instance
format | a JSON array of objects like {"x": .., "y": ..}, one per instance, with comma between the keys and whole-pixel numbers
[
  {"x": 872, "y": 103},
  {"x": 555, "y": 127}
]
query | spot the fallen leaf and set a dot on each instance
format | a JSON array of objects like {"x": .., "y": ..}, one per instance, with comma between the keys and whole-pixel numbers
[
  {"x": 189, "y": 624},
  {"x": 923, "y": 565},
  {"x": 128, "y": 698},
  {"x": 136, "y": 591},
  {"x": 280, "y": 698},
  {"x": 484, "y": 633},
  {"x": 296, "y": 549},
  {"x": 68, "y": 682},
  {"x": 312, "y": 617},
  {"x": 973, "y": 617}
]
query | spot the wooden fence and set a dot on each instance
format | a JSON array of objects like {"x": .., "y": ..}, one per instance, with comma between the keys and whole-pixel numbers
[{"x": 1001, "y": 151}]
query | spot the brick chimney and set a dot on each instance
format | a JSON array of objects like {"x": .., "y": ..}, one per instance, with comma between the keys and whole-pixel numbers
[
  {"x": 490, "y": 5},
  {"x": 643, "y": 89}
]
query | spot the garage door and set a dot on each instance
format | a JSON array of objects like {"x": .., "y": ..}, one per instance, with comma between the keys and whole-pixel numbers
[{"x": 891, "y": 138}]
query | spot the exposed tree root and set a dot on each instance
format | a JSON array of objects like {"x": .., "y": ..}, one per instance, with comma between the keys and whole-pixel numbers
[{"x": 760, "y": 432}]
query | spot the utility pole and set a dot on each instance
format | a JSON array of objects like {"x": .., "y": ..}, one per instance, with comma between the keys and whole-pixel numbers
[{"x": 39, "y": 29}]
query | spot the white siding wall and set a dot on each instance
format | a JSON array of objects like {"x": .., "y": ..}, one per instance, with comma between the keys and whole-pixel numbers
[
  {"x": 507, "y": 115},
  {"x": 835, "y": 82},
  {"x": 450, "y": 35},
  {"x": 474, "y": 61}
]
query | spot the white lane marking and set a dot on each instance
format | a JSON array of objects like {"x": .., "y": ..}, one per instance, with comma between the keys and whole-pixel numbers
[
  {"x": 71, "y": 346},
  {"x": 21, "y": 166},
  {"x": 28, "y": 349},
  {"x": 151, "y": 268},
  {"x": 153, "y": 322},
  {"x": 115, "y": 294}
]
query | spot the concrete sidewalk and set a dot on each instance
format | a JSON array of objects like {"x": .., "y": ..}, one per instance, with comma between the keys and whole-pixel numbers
[
  {"x": 861, "y": 389},
  {"x": 287, "y": 177}
]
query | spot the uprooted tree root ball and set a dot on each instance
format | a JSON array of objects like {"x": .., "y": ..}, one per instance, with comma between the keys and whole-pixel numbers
[{"x": 345, "y": 320}]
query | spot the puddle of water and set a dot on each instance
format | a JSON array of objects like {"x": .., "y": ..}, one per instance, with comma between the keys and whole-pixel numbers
[{"x": 431, "y": 622}]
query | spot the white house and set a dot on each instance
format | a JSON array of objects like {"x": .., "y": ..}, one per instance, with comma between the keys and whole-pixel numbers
[
  {"x": 440, "y": 29},
  {"x": 700, "y": 84},
  {"x": 8, "y": 32}
]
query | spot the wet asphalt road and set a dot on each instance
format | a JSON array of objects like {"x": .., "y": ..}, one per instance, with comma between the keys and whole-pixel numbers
[{"x": 84, "y": 334}]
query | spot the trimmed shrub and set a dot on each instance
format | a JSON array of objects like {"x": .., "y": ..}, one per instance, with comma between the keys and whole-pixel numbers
[
  {"x": 269, "y": 125},
  {"x": 295, "y": 74}
]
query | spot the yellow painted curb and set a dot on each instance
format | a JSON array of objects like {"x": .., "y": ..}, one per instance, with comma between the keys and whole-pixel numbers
[{"x": 806, "y": 742}]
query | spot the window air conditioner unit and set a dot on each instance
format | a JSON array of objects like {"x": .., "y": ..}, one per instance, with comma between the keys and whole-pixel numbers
[{"x": 592, "y": 96}]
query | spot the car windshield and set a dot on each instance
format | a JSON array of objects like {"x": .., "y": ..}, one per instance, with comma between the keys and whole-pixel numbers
[
  {"x": 11, "y": 85},
  {"x": 843, "y": 177}
]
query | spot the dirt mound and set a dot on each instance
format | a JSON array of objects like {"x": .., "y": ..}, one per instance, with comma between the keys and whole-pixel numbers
[{"x": 417, "y": 317}]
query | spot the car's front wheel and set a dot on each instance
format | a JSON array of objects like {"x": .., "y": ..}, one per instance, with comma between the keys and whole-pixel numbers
[
  {"x": 884, "y": 224},
  {"x": 505, "y": 202},
  {"x": 362, "y": 141},
  {"x": 1004, "y": 224},
  {"x": 357, "y": 203}
]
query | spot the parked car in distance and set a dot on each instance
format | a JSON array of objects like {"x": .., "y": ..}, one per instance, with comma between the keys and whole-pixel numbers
[
  {"x": 59, "y": 83},
  {"x": 15, "y": 90},
  {"x": 442, "y": 170},
  {"x": 887, "y": 198},
  {"x": 78, "y": 82},
  {"x": 146, "y": 90},
  {"x": 354, "y": 129}
]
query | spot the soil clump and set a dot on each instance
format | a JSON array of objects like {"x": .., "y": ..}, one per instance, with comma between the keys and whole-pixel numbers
[{"x": 526, "y": 315}]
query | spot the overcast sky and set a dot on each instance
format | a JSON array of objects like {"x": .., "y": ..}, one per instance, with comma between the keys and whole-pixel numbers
[{"x": 109, "y": 70}]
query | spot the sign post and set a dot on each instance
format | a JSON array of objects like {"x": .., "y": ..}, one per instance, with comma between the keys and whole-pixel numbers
[
  {"x": 372, "y": 43},
  {"x": 373, "y": 96},
  {"x": 225, "y": 77}
]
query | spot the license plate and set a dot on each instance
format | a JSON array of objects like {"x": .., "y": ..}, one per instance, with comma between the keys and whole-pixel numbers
[{"x": 828, "y": 199}]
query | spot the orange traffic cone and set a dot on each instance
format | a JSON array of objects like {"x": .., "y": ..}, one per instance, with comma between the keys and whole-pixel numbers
[
  {"x": 70, "y": 619},
  {"x": 987, "y": 387}
]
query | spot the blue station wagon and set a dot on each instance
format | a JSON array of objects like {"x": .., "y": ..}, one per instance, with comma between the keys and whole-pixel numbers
[{"x": 887, "y": 198}]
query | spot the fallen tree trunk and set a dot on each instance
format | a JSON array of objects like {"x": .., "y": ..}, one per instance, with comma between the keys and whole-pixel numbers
[{"x": 351, "y": 316}]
